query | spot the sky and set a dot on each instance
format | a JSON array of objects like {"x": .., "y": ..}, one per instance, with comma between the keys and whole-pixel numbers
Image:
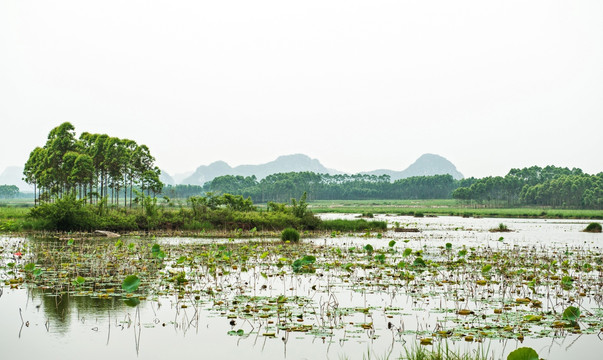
[{"x": 359, "y": 85}]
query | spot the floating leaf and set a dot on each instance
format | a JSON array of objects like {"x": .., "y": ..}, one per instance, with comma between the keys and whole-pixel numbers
[
  {"x": 380, "y": 258},
  {"x": 157, "y": 253},
  {"x": 566, "y": 282},
  {"x": 29, "y": 267},
  {"x": 448, "y": 246},
  {"x": 79, "y": 280},
  {"x": 524, "y": 353},
  {"x": 572, "y": 314},
  {"x": 407, "y": 252},
  {"x": 532, "y": 318},
  {"x": 130, "y": 283},
  {"x": 392, "y": 243},
  {"x": 419, "y": 262}
]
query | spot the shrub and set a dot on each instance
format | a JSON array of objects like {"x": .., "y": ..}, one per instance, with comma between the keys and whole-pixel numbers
[
  {"x": 593, "y": 228},
  {"x": 290, "y": 234},
  {"x": 65, "y": 214},
  {"x": 352, "y": 225}
]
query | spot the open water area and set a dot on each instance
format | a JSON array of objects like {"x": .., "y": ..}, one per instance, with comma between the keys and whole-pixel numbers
[{"x": 452, "y": 284}]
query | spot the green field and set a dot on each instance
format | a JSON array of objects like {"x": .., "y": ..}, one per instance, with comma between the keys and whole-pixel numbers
[{"x": 445, "y": 207}]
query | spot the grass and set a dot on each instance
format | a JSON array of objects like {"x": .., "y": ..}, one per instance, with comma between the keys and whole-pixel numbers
[
  {"x": 418, "y": 352},
  {"x": 594, "y": 228},
  {"x": 352, "y": 225},
  {"x": 446, "y": 207}
]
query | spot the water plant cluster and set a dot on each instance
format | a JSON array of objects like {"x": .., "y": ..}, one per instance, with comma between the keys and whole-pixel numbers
[{"x": 333, "y": 290}]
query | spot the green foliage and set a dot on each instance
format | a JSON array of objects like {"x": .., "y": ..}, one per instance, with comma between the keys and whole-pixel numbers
[
  {"x": 356, "y": 225},
  {"x": 419, "y": 262},
  {"x": 93, "y": 166},
  {"x": 130, "y": 283},
  {"x": 290, "y": 234},
  {"x": 593, "y": 228},
  {"x": 65, "y": 214},
  {"x": 8, "y": 191},
  {"x": 304, "y": 265},
  {"x": 571, "y": 314},
  {"x": 300, "y": 208},
  {"x": 156, "y": 252},
  {"x": 567, "y": 282},
  {"x": 523, "y": 353}
]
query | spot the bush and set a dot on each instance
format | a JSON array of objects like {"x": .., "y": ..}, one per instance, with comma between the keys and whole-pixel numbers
[
  {"x": 593, "y": 228},
  {"x": 290, "y": 234},
  {"x": 65, "y": 214},
  {"x": 352, "y": 225}
]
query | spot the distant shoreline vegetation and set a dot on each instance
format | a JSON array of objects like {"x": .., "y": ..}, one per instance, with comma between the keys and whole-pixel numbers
[
  {"x": 550, "y": 186},
  {"x": 101, "y": 182}
]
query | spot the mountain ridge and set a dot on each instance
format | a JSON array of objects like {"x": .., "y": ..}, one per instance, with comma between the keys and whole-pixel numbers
[{"x": 425, "y": 165}]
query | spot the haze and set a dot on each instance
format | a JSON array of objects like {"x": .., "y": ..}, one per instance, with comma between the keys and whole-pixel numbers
[{"x": 359, "y": 85}]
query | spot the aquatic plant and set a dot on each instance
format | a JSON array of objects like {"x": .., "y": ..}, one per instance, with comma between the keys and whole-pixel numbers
[
  {"x": 523, "y": 353},
  {"x": 290, "y": 234},
  {"x": 593, "y": 228}
]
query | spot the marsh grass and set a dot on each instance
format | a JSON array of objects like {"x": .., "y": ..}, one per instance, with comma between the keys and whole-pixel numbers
[
  {"x": 357, "y": 225},
  {"x": 593, "y": 228},
  {"x": 446, "y": 207},
  {"x": 443, "y": 352}
]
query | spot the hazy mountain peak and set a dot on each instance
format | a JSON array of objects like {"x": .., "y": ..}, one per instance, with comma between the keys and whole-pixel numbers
[
  {"x": 432, "y": 164},
  {"x": 425, "y": 165},
  {"x": 282, "y": 164}
]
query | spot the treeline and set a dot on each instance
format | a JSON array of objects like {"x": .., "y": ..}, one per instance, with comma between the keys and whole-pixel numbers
[
  {"x": 549, "y": 186},
  {"x": 284, "y": 186},
  {"x": 9, "y": 192},
  {"x": 95, "y": 167}
]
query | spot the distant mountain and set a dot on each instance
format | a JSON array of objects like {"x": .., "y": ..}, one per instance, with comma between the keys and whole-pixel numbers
[
  {"x": 426, "y": 165},
  {"x": 178, "y": 178},
  {"x": 166, "y": 178},
  {"x": 13, "y": 175},
  {"x": 287, "y": 163}
]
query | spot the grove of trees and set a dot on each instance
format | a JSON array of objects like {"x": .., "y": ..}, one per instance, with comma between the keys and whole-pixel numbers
[
  {"x": 284, "y": 186},
  {"x": 548, "y": 186},
  {"x": 95, "y": 167},
  {"x": 8, "y": 191}
]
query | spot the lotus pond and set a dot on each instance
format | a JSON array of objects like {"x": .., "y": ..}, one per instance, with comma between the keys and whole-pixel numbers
[{"x": 453, "y": 285}]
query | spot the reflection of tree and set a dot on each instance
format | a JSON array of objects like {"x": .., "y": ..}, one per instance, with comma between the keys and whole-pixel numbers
[{"x": 61, "y": 307}]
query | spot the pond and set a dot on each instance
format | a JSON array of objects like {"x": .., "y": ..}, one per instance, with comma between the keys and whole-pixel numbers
[{"x": 454, "y": 284}]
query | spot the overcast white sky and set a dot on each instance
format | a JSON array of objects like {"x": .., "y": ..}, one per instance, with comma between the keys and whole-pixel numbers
[{"x": 360, "y": 85}]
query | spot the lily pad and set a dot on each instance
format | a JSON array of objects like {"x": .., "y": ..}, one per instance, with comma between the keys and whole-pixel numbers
[{"x": 130, "y": 283}]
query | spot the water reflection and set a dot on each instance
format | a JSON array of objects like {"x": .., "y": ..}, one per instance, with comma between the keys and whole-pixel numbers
[{"x": 63, "y": 308}]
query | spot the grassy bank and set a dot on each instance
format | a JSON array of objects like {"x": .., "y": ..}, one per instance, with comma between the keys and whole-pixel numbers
[
  {"x": 67, "y": 216},
  {"x": 446, "y": 207}
]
